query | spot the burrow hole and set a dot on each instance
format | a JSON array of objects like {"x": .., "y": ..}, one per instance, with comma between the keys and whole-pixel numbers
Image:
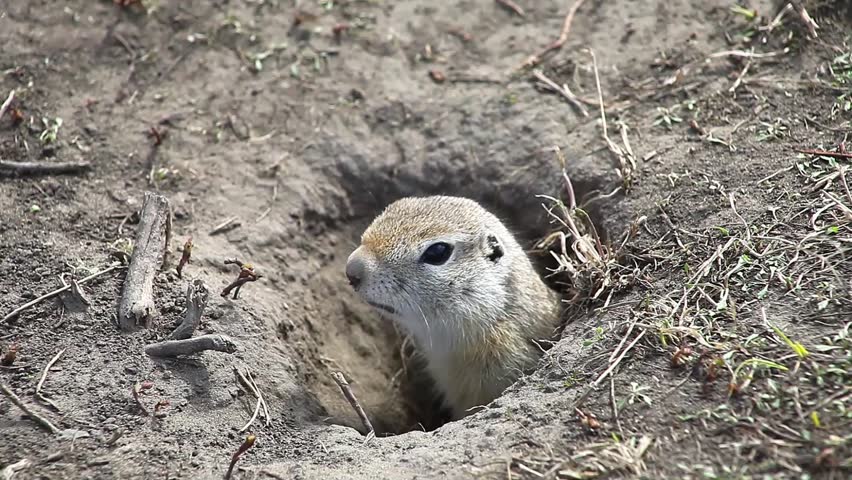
[{"x": 394, "y": 389}]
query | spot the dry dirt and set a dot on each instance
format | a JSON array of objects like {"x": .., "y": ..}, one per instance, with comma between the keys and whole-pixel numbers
[{"x": 302, "y": 135}]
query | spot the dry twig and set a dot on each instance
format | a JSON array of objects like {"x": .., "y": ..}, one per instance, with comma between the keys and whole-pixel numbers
[
  {"x": 43, "y": 422},
  {"x": 747, "y": 54},
  {"x": 806, "y": 18},
  {"x": 356, "y": 405},
  {"x": 825, "y": 153},
  {"x": 563, "y": 90},
  {"x": 556, "y": 44},
  {"x": 625, "y": 157},
  {"x": 249, "y": 441},
  {"x": 14, "y": 313},
  {"x": 253, "y": 416},
  {"x": 247, "y": 382},
  {"x": 44, "y": 377},
  {"x": 740, "y": 77},
  {"x": 12, "y": 469},
  {"x": 514, "y": 7},
  {"x": 229, "y": 224},
  {"x": 74, "y": 302},
  {"x": 609, "y": 370}
]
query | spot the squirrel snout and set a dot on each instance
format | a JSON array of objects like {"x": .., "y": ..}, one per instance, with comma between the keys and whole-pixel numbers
[{"x": 355, "y": 270}]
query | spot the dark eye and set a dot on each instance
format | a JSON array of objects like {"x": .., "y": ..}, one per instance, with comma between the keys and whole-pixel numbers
[{"x": 437, "y": 253}]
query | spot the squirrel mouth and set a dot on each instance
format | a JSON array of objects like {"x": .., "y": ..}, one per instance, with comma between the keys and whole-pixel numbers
[{"x": 383, "y": 307}]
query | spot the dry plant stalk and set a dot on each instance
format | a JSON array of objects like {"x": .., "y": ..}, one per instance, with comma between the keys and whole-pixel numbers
[
  {"x": 181, "y": 342},
  {"x": 624, "y": 155},
  {"x": 185, "y": 257},
  {"x": 592, "y": 268},
  {"x": 247, "y": 274},
  {"x": 135, "y": 392},
  {"x": 246, "y": 382},
  {"x": 249, "y": 441}
]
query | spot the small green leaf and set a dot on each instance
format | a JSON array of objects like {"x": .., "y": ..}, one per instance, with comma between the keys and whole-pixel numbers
[
  {"x": 747, "y": 13},
  {"x": 34, "y": 208},
  {"x": 815, "y": 419},
  {"x": 797, "y": 347}
]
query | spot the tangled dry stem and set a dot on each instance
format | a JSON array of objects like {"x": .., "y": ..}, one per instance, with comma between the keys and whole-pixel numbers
[{"x": 592, "y": 268}]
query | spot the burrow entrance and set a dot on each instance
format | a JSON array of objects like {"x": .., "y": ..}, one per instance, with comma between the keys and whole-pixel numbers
[{"x": 354, "y": 338}]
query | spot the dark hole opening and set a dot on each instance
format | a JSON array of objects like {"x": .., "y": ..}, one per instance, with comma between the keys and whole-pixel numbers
[{"x": 417, "y": 406}]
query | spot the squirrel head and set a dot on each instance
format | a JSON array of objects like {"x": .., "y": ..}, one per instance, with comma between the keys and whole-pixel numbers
[{"x": 430, "y": 262}]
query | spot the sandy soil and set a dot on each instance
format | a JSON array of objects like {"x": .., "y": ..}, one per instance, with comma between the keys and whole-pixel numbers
[{"x": 726, "y": 314}]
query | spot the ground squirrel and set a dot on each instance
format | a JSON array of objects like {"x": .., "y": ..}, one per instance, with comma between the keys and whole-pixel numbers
[{"x": 456, "y": 281}]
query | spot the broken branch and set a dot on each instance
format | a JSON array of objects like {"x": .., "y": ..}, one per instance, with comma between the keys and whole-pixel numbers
[
  {"x": 137, "y": 297},
  {"x": 189, "y": 346},
  {"x": 196, "y": 299},
  {"x": 42, "y": 168}
]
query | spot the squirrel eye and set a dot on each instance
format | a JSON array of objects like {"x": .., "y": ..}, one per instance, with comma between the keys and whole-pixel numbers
[{"x": 437, "y": 253}]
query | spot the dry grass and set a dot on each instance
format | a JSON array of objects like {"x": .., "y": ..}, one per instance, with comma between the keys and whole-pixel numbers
[
  {"x": 589, "y": 269},
  {"x": 727, "y": 326}
]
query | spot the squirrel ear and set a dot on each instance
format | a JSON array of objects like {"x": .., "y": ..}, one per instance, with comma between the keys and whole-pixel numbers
[{"x": 493, "y": 248}]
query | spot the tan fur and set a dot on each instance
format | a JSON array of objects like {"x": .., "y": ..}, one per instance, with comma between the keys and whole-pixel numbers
[
  {"x": 420, "y": 221},
  {"x": 474, "y": 319}
]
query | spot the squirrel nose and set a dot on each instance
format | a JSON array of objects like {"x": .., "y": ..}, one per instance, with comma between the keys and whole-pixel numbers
[{"x": 355, "y": 268}]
